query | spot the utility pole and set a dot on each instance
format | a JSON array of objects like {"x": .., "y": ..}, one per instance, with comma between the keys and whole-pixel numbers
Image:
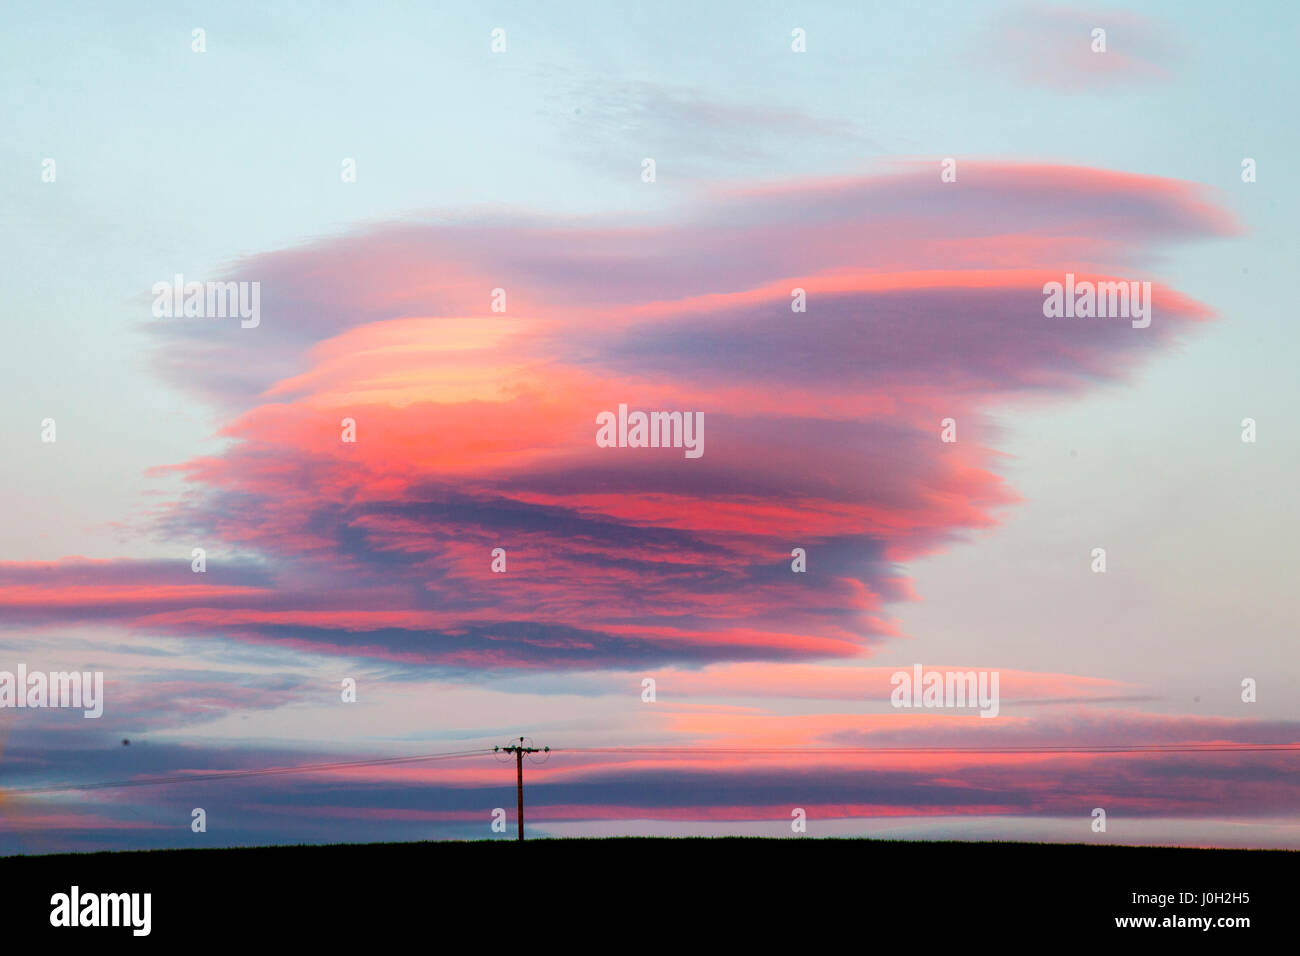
[{"x": 519, "y": 750}]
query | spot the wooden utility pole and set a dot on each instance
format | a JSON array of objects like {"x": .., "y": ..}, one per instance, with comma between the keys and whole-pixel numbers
[
  {"x": 519, "y": 750},
  {"x": 519, "y": 788}
]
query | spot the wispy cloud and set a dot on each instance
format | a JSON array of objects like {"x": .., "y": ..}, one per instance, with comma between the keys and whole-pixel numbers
[{"x": 1057, "y": 47}]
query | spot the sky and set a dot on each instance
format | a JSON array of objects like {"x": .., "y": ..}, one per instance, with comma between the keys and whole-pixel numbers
[{"x": 130, "y": 157}]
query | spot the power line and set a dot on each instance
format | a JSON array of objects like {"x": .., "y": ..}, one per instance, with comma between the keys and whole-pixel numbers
[
  {"x": 668, "y": 751},
  {"x": 1102, "y": 748},
  {"x": 256, "y": 772}
]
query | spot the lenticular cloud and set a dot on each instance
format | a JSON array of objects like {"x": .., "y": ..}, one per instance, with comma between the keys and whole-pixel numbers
[{"x": 476, "y": 428}]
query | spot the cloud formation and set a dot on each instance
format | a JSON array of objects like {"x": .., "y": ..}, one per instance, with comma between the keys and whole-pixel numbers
[
  {"x": 1058, "y": 48},
  {"x": 475, "y": 428}
]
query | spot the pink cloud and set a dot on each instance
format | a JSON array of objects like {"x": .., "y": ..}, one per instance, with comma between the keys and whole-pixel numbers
[{"x": 475, "y": 429}]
